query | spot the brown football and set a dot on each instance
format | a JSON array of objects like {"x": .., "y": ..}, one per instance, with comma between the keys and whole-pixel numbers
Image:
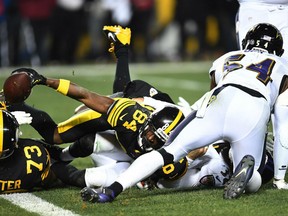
[{"x": 17, "y": 87}]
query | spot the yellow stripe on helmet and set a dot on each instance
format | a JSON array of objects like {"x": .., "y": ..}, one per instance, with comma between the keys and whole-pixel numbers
[
  {"x": 1, "y": 133},
  {"x": 174, "y": 123}
]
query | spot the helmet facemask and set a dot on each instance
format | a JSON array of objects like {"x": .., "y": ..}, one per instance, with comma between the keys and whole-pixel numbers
[
  {"x": 143, "y": 141},
  {"x": 156, "y": 130}
]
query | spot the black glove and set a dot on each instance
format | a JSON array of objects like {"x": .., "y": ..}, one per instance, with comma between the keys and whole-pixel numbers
[{"x": 36, "y": 78}]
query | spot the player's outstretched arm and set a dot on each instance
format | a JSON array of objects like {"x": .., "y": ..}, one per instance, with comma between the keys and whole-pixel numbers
[{"x": 90, "y": 99}]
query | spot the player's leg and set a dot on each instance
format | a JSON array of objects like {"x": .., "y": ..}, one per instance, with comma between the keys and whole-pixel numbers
[
  {"x": 83, "y": 123},
  {"x": 189, "y": 135},
  {"x": 106, "y": 149},
  {"x": 120, "y": 41},
  {"x": 246, "y": 134},
  {"x": 103, "y": 148},
  {"x": 68, "y": 174},
  {"x": 103, "y": 176}
]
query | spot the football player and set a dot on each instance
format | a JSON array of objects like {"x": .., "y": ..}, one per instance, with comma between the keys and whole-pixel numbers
[
  {"x": 251, "y": 82},
  {"x": 133, "y": 89},
  {"x": 127, "y": 134},
  {"x": 25, "y": 164},
  {"x": 253, "y": 12},
  {"x": 127, "y": 117},
  {"x": 205, "y": 166},
  {"x": 88, "y": 121}
]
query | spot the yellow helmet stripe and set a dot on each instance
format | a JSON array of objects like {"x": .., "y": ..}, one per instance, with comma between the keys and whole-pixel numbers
[
  {"x": 1, "y": 133},
  {"x": 174, "y": 123}
]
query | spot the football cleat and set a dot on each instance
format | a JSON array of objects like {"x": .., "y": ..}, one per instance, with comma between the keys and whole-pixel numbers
[
  {"x": 118, "y": 36},
  {"x": 280, "y": 184},
  {"x": 100, "y": 195},
  {"x": 237, "y": 183}
]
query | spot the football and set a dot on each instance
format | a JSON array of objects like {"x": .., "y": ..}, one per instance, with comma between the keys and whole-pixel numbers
[{"x": 17, "y": 88}]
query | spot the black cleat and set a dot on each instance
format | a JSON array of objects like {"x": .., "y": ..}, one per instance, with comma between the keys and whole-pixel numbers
[
  {"x": 100, "y": 195},
  {"x": 118, "y": 36}
]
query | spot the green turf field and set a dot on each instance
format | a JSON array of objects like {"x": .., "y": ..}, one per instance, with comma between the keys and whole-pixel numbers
[{"x": 189, "y": 80}]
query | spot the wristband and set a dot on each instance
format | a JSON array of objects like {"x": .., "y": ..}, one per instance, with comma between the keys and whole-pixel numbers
[{"x": 63, "y": 86}]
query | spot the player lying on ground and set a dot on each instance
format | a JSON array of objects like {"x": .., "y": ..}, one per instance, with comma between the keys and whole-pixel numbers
[
  {"x": 141, "y": 88},
  {"x": 25, "y": 164},
  {"x": 243, "y": 100},
  {"x": 152, "y": 137}
]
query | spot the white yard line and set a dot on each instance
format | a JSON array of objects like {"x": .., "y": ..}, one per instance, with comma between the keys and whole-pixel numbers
[{"x": 32, "y": 203}]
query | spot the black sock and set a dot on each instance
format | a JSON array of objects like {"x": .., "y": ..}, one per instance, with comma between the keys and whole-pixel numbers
[
  {"x": 122, "y": 75},
  {"x": 116, "y": 187}
]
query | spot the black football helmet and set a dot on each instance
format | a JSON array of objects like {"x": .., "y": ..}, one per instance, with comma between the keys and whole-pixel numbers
[
  {"x": 9, "y": 133},
  {"x": 161, "y": 123},
  {"x": 264, "y": 36}
]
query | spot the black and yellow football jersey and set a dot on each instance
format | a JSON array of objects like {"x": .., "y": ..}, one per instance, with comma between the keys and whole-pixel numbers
[
  {"x": 127, "y": 117},
  {"x": 26, "y": 169}
]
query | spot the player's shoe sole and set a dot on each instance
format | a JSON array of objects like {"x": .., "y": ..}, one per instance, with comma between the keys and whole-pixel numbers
[
  {"x": 89, "y": 195},
  {"x": 237, "y": 183}
]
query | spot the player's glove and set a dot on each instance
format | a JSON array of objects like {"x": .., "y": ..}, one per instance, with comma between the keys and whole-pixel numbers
[
  {"x": 22, "y": 117},
  {"x": 146, "y": 185},
  {"x": 100, "y": 195},
  {"x": 36, "y": 78}
]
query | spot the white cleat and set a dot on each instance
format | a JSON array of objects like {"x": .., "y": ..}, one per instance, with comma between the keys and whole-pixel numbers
[{"x": 280, "y": 184}]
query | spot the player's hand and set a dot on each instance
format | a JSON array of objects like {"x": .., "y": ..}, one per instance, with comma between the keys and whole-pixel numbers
[
  {"x": 36, "y": 78},
  {"x": 100, "y": 195},
  {"x": 184, "y": 104},
  {"x": 148, "y": 184}
]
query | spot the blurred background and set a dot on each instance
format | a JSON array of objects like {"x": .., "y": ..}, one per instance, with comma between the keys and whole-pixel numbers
[{"x": 67, "y": 32}]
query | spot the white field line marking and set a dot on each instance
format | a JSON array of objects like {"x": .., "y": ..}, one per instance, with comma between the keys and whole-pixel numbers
[{"x": 32, "y": 203}]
